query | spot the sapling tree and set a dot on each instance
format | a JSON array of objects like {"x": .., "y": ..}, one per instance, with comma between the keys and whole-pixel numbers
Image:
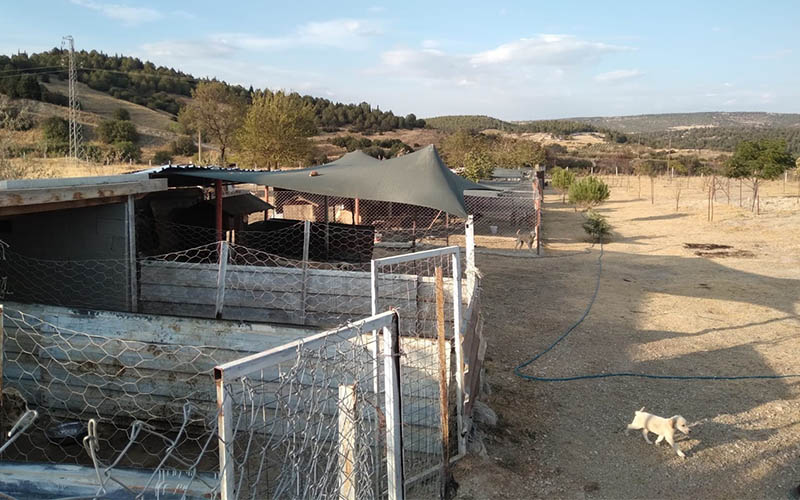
[
  {"x": 596, "y": 226},
  {"x": 562, "y": 179},
  {"x": 757, "y": 161}
]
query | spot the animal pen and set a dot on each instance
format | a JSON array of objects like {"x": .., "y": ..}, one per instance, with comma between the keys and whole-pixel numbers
[{"x": 140, "y": 363}]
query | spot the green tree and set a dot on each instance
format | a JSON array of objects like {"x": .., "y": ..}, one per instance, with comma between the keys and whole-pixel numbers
[
  {"x": 162, "y": 157},
  {"x": 276, "y": 131},
  {"x": 110, "y": 131},
  {"x": 455, "y": 147},
  {"x": 759, "y": 160},
  {"x": 562, "y": 179},
  {"x": 217, "y": 111},
  {"x": 588, "y": 192},
  {"x": 596, "y": 226},
  {"x": 478, "y": 166}
]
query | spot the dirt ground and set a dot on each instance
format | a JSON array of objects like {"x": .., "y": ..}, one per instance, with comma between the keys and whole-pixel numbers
[{"x": 661, "y": 309}]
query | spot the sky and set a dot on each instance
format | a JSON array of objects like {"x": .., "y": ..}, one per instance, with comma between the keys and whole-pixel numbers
[{"x": 512, "y": 60}]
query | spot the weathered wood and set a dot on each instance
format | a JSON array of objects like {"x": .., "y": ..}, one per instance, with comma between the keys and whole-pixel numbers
[
  {"x": 56, "y": 194},
  {"x": 222, "y": 270},
  {"x": 347, "y": 442}
]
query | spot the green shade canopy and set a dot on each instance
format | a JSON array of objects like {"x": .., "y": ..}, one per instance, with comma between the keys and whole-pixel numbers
[{"x": 419, "y": 178}]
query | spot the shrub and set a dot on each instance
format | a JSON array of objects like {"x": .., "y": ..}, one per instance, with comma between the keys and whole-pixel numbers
[
  {"x": 122, "y": 114},
  {"x": 55, "y": 130},
  {"x": 562, "y": 179},
  {"x": 124, "y": 151},
  {"x": 588, "y": 192},
  {"x": 183, "y": 146},
  {"x": 596, "y": 226},
  {"x": 111, "y": 131},
  {"x": 162, "y": 157}
]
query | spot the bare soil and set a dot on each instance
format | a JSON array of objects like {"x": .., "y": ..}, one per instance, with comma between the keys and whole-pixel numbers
[{"x": 661, "y": 309}]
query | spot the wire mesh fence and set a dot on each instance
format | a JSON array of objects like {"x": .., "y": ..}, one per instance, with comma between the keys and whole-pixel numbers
[
  {"x": 426, "y": 289},
  {"x": 306, "y": 420},
  {"x": 108, "y": 403}
]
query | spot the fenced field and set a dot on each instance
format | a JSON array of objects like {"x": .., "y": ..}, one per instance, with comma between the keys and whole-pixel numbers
[{"x": 662, "y": 308}]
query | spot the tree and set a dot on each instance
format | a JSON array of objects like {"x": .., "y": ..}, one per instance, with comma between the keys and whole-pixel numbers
[
  {"x": 455, "y": 147},
  {"x": 121, "y": 114},
  {"x": 759, "y": 160},
  {"x": 110, "y": 131},
  {"x": 55, "y": 130},
  {"x": 217, "y": 111},
  {"x": 588, "y": 192},
  {"x": 276, "y": 131},
  {"x": 596, "y": 226},
  {"x": 562, "y": 179},
  {"x": 478, "y": 166},
  {"x": 162, "y": 157}
]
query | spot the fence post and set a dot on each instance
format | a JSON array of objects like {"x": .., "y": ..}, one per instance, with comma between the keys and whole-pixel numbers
[
  {"x": 347, "y": 442},
  {"x": 130, "y": 230},
  {"x": 458, "y": 338},
  {"x": 538, "y": 207},
  {"x": 470, "y": 250},
  {"x": 223, "y": 269},
  {"x": 394, "y": 419},
  {"x": 225, "y": 437},
  {"x": 444, "y": 372},
  {"x": 306, "y": 242},
  {"x": 375, "y": 369}
]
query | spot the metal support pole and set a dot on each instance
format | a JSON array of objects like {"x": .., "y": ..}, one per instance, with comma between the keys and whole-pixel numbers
[
  {"x": 225, "y": 438},
  {"x": 375, "y": 350},
  {"x": 469, "y": 229},
  {"x": 394, "y": 419},
  {"x": 218, "y": 194},
  {"x": 130, "y": 230}
]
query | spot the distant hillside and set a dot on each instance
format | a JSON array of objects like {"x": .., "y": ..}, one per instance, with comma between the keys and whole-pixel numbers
[
  {"x": 476, "y": 123},
  {"x": 163, "y": 89},
  {"x": 687, "y": 121}
]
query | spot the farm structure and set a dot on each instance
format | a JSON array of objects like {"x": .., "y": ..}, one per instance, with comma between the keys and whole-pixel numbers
[{"x": 135, "y": 360}]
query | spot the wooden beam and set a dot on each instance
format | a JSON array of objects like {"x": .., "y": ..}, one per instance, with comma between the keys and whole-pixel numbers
[
  {"x": 64, "y": 205},
  {"x": 444, "y": 377},
  {"x": 56, "y": 194}
]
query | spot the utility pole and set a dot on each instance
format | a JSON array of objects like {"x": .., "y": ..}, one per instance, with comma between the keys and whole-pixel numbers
[
  {"x": 75, "y": 131},
  {"x": 199, "y": 148}
]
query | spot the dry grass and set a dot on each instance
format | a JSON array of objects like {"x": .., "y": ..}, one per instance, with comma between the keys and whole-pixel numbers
[
  {"x": 661, "y": 309},
  {"x": 37, "y": 168}
]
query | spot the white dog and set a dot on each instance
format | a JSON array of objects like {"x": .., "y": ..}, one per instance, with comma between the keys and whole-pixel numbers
[{"x": 664, "y": 428}]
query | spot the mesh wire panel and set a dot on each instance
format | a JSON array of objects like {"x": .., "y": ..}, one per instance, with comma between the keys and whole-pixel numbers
[
  {"x": 143, "y": 405},
  {"x": 410, "y": 287},
  {"x": 310, "y": 427}
]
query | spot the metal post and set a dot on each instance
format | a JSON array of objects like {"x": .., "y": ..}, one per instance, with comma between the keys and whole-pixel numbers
[
  {"x": 266, "y": 199},
  {"x": 375, "y": 348},
  {"x": 225, "y": 438},
  {"x": 218, "y": 193},
  {"x": 130, "y": 233},
  {"x": 357, "y": 211},
  {"x": 469, "y": 228},
  {"x": 458, "y": 338},
  {"x": 394, "y": 421},
  {"x": 221, "y": 273},
  {"x": 306, "y": 242}
]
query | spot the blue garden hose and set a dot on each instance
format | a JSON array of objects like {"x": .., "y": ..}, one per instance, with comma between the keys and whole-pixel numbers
[{"x": 518, "y": 369}]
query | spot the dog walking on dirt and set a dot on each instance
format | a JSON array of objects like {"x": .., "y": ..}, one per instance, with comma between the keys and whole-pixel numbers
[{"x": 664, "y": 428}]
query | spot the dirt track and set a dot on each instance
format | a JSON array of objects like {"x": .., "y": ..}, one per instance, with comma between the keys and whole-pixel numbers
[{"x": 661, "y": 309}]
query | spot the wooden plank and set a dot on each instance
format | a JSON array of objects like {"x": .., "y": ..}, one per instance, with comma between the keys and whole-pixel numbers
[
  {"x": 347, "y": 442},
  {"x": 444, "y": 377},
  {"x": 35, "y": 196}
]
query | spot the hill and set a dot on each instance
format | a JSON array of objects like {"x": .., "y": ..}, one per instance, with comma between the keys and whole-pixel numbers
[
  {"x": 163, "y": 89},
  {"x": 477, "y": 123},
  {"x": 638, "y": 124}
]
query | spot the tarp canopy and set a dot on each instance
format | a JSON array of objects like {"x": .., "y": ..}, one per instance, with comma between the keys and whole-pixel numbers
[{"x": 419, "y": 178}]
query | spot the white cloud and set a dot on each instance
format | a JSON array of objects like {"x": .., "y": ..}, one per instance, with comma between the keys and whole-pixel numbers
[
  {"x": 430, "y": 44},
  {"x": 619, "y": 75},
  {"x": 337, "y": 33},
  {"x": 128, "y": 15},
  {"x": 556, "y": 50}
]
